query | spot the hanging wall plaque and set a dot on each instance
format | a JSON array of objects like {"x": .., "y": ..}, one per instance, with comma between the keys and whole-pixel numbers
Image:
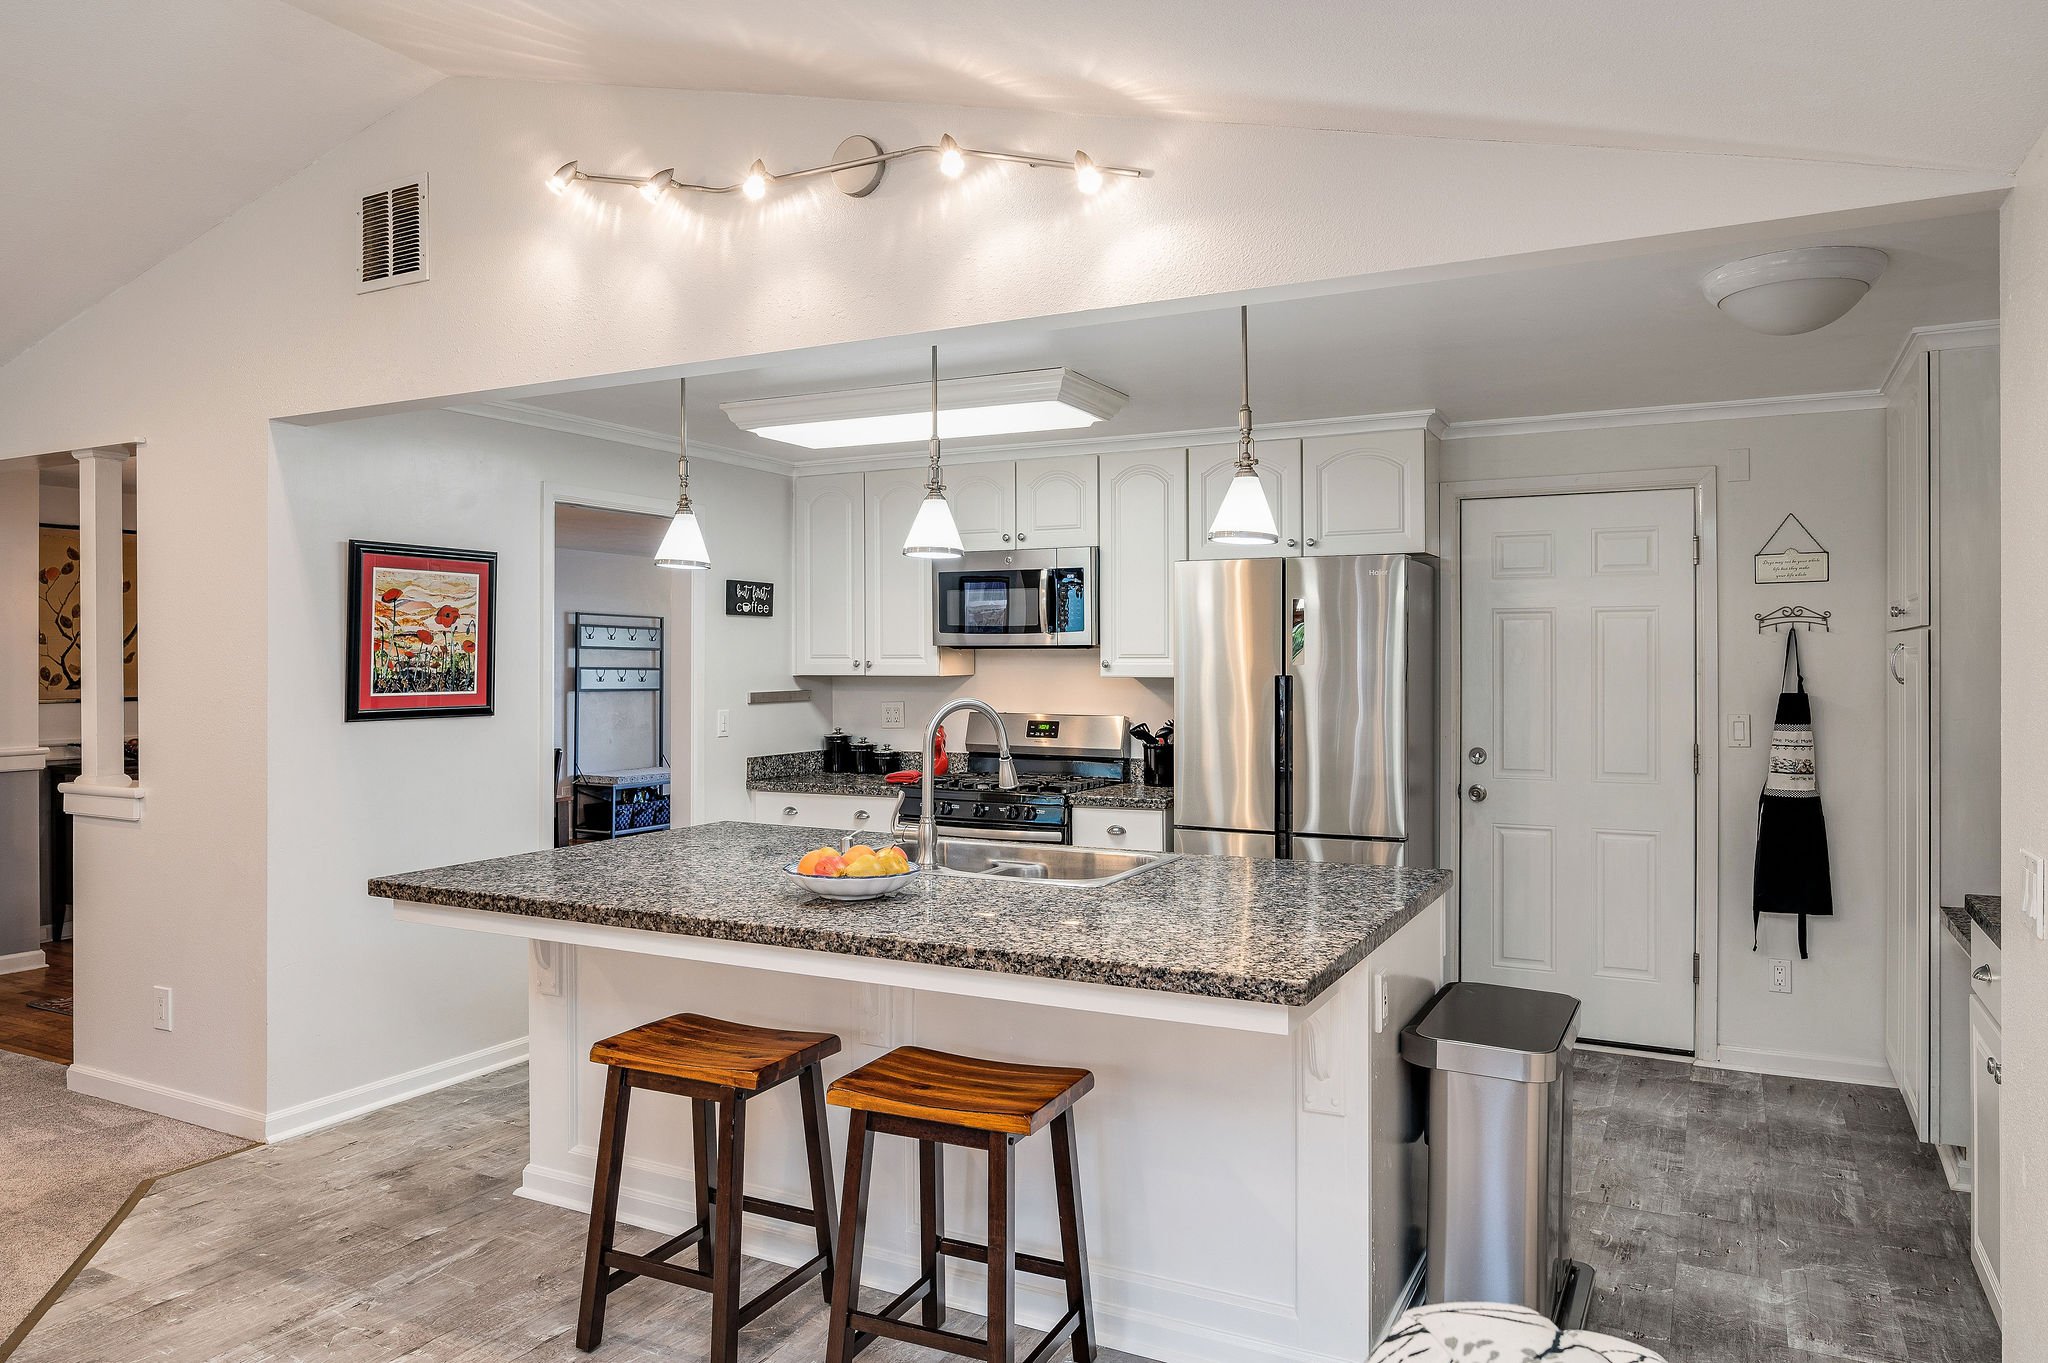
[
  {"x": 1791, "y": 554},
  {"x": 749, "y": 598}
]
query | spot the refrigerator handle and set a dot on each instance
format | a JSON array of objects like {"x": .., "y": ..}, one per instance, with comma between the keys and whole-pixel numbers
[{"x": 1283, "y": 764}]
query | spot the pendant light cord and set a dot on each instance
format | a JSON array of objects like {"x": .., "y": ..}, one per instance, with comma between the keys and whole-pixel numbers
[
  {"x": 683, "y": 445},
  {"x": 1246, "y": 460},
  {"x": 932, "y": 486}
]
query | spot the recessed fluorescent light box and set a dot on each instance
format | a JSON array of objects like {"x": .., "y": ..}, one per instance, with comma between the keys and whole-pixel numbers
[{"x": 900, "y": 414}]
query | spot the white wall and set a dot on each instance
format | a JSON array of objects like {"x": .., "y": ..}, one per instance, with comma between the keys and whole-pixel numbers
[
  {"x": 1067, "y": 681},
  {"x": 618, "y": 728},
  {"x": 357, "y": 997},
  {"x": 260, "y": 318},
  {"x": 2023, "y": 475},
  {"x": 21, "y": 777},
  {"x": 1830, "y": 470}
]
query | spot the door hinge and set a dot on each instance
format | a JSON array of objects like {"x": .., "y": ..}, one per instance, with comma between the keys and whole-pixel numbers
[
  {"x": 1695, "y": 759},
  {"x": 1695, "y": 551},
  {"x": 1695, "y": 967}
]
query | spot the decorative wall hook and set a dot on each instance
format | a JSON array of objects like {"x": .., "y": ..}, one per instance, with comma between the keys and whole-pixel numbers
[{"x": 1791, "y": 617}]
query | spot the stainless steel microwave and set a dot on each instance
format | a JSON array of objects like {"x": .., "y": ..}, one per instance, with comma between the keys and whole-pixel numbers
[{"x": 1026, "y": 598}]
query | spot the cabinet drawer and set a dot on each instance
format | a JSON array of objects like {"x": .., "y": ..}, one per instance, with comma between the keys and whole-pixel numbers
[
  {"x": 1140, "y": 830},
  {"x": 860, "y": 813},
  {"x": 1985, "y": 960}
]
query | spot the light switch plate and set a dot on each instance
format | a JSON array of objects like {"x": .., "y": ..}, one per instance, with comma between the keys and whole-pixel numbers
[
  {"x": 1738, "y": 731},
  {"x": 2030, "y": 892},
  {"x": 725, "y": 724}
]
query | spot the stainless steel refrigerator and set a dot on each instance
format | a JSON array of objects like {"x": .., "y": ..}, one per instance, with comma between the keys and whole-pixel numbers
[{"x": 1305, "y": 708}]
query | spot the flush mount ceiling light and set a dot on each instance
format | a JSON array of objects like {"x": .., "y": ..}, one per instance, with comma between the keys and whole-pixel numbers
[
  {"x": 1786, "y": 293},
  {"x": 1245, "y": 517},
  {"x": 987, "y": 404},
  {"x": 933, "y": 532},
  {"x": 683, "y": 545},
  {"x": 856, "y": 168}
]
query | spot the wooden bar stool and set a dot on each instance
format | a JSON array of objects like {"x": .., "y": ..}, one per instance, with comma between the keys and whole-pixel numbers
[
  {"x": 939, "y": 1100},
  {"x": 719, "y": 1066}
]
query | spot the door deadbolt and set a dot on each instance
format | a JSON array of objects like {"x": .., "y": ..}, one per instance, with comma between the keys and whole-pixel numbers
[
  {"x": 1477, "y": 794},
  {"x": 1477, "y": 757}
]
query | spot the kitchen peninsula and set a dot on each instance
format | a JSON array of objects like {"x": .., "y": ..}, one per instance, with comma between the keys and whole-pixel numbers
[{"x": 1250, "y": 1158}]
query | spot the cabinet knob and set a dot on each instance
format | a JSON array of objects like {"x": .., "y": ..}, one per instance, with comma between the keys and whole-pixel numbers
[
  {"x": 1984, "y": 974},
  {"x": 1105, "y": 664},
  {"x": 1006, "y": 537},
  {"x": 1290, "y": 543},
  {"x": 1020, "y": 537},
  {"x": 1311, "y": 541},
  {"x": 860, "y": 816},
  {"x": 1116, "y": 830},
  {"x": 789, "y": 811}
]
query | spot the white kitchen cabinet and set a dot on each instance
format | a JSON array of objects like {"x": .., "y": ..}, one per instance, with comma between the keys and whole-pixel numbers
[
  {"x": 1056, "y": 502},
  {"x": 1908, "y": 469},
  {"x": 984, "y": 502},
  {"x": 898, "y": 610},
  {"x": 1367, "y": 494},
  {"x": 1210, "y": 469},
  {"x": 1909, "y": 887},
  {"x": 857, "y": 813},
  {"x": 858, "y": 607},
  {"x": 1133, "y": 830},
  {"x": 829, "y": 532},
  {"x": 1987, "y": 1081},
  {"x": 1144, "y": 521}
]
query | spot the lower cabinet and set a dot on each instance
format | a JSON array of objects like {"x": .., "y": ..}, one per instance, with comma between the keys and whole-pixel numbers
[
  {"x": 1987, "y": 1080},
  {"x": 855, "y": 812},
  {"x": 1136, "y": 830}
]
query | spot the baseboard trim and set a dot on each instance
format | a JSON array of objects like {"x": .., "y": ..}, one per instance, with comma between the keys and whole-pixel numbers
[
  {"x": 1835, "y": 1069},
  {"x": 166, "y": 1102},
  {"x": 23, "y": 960},
  {"x": 1955, "y": 1167},
  {"x": 303, "y": 1118}
]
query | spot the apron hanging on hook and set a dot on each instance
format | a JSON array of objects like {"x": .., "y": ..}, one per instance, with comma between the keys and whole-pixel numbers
[{"x": 1792, "y": 832}]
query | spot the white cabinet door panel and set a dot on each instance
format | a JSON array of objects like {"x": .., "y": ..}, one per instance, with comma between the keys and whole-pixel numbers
[
  {"x": 899, "y": 605},
  {"x": 1136, "y": 830},
  {"x": 1210, "y": 469},
  {"x": 1987, "y": 1075},
  {"x": 1056, "y": 502},
  {"x": 1144, "y": 523},
  {"x": 829, "y": 531},
  {"x": 1908, "y": 468},
  {"x": 1365, "y": 494},
  {"x": 983, "y": 498}
]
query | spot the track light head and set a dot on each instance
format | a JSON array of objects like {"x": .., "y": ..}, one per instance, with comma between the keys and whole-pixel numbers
[
  {"x": 565, "y": 175},
  {"x": 1086, "y": 177},
  {"x": 951, "y": 161},
  {"x": 652, "y": 188},
  {"x": 756, "y": 183}
]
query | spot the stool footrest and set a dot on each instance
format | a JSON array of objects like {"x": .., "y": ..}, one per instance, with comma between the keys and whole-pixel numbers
[
  {"x": 953, "y": 1342},
  {"x": 781, "y": 1211},
  {"x": 789, "y": 1282},
  {"x": 626, "y": 1267},
  {"x": 1055, "y": 1337},
  {"x": 978, "y": 1254}
]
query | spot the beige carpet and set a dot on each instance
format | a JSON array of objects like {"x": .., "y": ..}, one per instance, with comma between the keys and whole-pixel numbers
[{"x": 68, "y": 1163}]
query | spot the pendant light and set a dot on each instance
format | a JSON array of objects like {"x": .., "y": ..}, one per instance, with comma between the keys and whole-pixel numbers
[
  {"x": 933, "y": 534},
  {"x": 1245, "y": 517},
  {"x": 683, "y": 545}
]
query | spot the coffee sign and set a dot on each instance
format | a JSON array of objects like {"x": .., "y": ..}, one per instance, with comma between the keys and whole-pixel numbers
[{"x": 1791, "y": 554}]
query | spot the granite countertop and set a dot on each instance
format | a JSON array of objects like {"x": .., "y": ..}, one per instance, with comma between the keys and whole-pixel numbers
[
  {"x": 1958, "y": 923},
  {"x": 1123, "y": 795},
  {"x": 803, "y": 773},
  {"x": 1276, "y": 932},
  {"x": 1983, "y": 911}
]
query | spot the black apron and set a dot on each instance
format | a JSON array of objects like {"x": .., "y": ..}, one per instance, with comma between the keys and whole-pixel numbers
[{"x": 1791, "y": 832}]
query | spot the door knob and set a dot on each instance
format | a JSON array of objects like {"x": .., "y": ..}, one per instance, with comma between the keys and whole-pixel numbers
[
  {"x": 1476, "y": 794},
  {"x": 1897, "y": 611},
  {"x": 1994, "y": 1069}
]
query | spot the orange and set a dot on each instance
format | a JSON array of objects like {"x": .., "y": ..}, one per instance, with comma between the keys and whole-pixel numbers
[{"x": 822, "y": 862}]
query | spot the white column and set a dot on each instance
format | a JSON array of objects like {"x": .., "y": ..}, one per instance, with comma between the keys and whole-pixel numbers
[{"x": 101, "y": 729}]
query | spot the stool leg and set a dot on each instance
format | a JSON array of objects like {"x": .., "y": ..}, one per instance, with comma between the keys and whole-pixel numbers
[
  {"x": 931, "y": 1226},
  {"x": 853, "y": 1225},
  {"x": 1073, "y": 1238},
  {"x": 700, "y": 1160},
  {"x": 817, "y": 1137},
  {"x": 731, "y": 1207},
  {"x": 604, "y": 1208},
  {"x": 1002, "y": 1249}
]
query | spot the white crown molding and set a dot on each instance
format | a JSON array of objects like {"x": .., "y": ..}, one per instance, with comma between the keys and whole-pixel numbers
[
  {"x": 617, "y": 433},
  {"x": 1949, "y": 336},
  {"x": 1804, "y": 404}
]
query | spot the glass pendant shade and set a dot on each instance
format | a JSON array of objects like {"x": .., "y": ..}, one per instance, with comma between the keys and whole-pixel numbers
[
  {"x": 683, "y": 545},
  {"x": 933, "y": 534},
  {"x": 1245, "y": 517}
]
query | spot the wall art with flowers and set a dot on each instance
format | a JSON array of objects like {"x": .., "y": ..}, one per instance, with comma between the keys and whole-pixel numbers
[
  {"x": 422, "y": 631},
  {"x": 60, "y": 622}
]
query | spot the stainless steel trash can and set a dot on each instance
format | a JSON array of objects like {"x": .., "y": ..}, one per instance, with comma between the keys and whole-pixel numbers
[{"x": 1500, "y": 1065}]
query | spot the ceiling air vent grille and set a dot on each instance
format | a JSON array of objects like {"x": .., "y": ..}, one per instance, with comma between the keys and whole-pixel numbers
[{"x": 394, "y": 236}]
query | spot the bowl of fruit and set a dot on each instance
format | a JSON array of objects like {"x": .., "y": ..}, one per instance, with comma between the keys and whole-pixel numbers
[{"x": 859, "y": 872}]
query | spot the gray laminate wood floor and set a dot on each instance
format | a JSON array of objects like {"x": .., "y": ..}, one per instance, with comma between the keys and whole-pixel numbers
[
  {"x": 1729, "y": 1217},
  {"x": 1742, "y": 1218}
]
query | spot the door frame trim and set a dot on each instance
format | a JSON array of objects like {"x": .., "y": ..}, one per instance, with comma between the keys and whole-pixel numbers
[{"x": 1702, "y": 482}]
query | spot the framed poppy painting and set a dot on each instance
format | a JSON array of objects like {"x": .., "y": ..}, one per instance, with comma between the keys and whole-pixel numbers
[{"x": 422, "y": 631}]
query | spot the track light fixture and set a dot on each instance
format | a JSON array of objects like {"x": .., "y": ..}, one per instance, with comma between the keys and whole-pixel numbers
[{"x": 856, "y": 172}]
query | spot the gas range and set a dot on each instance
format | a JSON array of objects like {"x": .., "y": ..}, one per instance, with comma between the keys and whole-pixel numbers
[{"x": 1056, "y": 755}]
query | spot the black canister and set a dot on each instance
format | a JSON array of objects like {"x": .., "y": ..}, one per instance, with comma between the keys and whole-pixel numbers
[
  {"x": 839, "y": 753},
  {"x": 1159, "y": 765},
  {"x": 888, "y": 760},
  {"x": 863, "y": 750}
]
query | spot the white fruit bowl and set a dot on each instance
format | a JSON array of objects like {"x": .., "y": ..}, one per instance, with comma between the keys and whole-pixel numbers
[{"x": 853, "y": 887}]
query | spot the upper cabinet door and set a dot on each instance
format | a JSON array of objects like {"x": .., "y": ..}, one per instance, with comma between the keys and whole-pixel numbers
[
  {"x": 1908, "y": 468},
  {"x": 829, "y": 533},
  {"x": 1365, "y": 494},
  {"x": 1210, "y": 469},
  {"x": 898, "y": 606},
  {"x": 983, "y": 499},
  {"x": 1056, "y": 502},
  {"x": 1144, "y": 520}
]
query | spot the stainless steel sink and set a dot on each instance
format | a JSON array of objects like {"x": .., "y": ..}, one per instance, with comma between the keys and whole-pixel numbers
[{"x": 1043, "y": 863}]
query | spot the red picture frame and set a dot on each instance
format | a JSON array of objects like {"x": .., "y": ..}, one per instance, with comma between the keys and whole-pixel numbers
[{"x": 422, "y": 631}]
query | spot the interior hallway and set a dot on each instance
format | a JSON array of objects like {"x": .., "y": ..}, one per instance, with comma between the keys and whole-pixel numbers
[{"x": 27, "y": 1029}]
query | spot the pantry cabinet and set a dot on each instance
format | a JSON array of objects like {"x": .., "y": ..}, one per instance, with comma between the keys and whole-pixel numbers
[
  {"x": 1144, "y": 521},
  {"x": 860, "y": 608},
  {"x": 1210, "y": 469}
]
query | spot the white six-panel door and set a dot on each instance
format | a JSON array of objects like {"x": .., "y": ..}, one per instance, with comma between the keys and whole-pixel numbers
[{"x": 1577, "y": 837}]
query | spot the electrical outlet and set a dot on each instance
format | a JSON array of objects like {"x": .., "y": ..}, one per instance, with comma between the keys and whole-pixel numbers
[
  {"x": 1738, "y": 731},
  {"x": 1781, "y": 977},
  {"x": 1382, "y": 1006},
  {"x": 2030, "y": 892},
  {"x": 892, "y": 714},
  {"x": 725, "y": 724},
  {"x": 163, "y": 1008}
]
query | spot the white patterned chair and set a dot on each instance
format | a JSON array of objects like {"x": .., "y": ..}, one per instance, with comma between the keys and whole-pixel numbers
[{"x": 1490, "y": 1332}]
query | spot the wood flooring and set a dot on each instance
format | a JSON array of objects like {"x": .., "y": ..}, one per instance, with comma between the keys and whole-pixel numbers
[
  {"x": 1730, "y": 1218},
  {"x": 32, "y": 1031}
]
